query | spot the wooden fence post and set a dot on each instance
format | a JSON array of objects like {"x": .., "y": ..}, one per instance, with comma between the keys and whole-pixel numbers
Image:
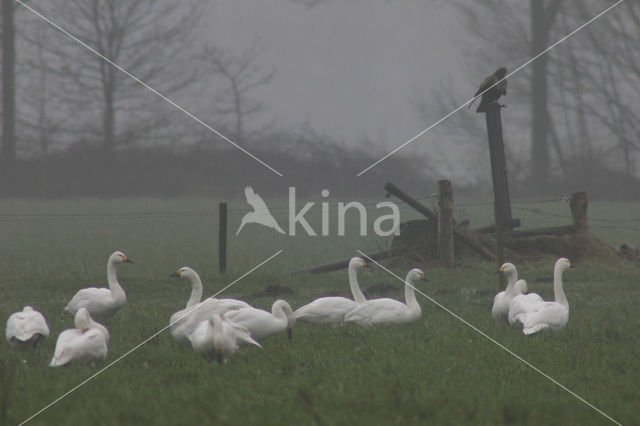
[
  {"x": 222, "y": 238},
  {"x": 446, "y": 254},
  {"x": 578, "y": 205}
]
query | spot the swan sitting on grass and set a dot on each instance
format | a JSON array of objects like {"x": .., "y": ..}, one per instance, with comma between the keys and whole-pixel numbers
[
  {"x": 333, "y": 309},
  {"x": 87, "y": 342},
  {"x": 102, "y": 302},
  {"x": 390, "y": 311},
  {"x": 217, "y": 338},
  {"x": 26, "y": 328},
  {"x": 502, "y": 300},
  {"x": 262, "y": 324},
  {"x": 554, "y": 315},
  {"x": 186, "y": 320},
  {"x": 522, "y": 303}
]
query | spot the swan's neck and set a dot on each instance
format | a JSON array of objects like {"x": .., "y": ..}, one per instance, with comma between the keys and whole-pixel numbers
[
  {"x": 511, "y": 282},
  {"x": 558, "y": 291},
  {"x": 358, "y": 297},
  {"x": 112, "y": 279},
  {"x": 283, "y": 313},
  {"x": 410, "y": 294},
  {"x": 196, "y": 291}
]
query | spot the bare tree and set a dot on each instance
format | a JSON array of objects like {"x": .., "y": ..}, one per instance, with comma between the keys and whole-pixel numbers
[
  {"x": 242, "y": 75},
  {"x": 147, "y": 38}
]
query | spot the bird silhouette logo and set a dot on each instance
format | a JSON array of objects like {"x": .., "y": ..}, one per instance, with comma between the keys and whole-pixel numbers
[{"x": 260, "y": 214}]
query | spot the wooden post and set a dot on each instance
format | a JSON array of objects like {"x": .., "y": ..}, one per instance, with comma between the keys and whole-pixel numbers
[
  {"x": 222, "y": 238},
  {"x": 499, "y": 175},
  {"x": 446, "y": 254},
  {"x": 578, "y": 206}
]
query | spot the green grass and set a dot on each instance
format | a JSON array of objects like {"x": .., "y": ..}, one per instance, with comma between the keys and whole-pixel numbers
[{"x": 435, "y": 371}]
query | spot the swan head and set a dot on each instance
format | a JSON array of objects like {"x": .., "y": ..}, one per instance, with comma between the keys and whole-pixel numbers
[
  {"x": 119, "y": 257},
  {"x": 284, "y": 306},
  {"x": 507, "y": 269},
  {"x": 185, "y": 271},
  {"x": 520, "y": 287},
  {"x": 563, "y": 263},
  {"x": 357, "y": 263},
  {"x": 416, "y": 275},
  {"x": 82, "y": 319}
]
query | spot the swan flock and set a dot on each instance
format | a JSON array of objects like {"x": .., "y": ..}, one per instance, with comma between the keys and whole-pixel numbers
[{"x": 216, "y": 328}]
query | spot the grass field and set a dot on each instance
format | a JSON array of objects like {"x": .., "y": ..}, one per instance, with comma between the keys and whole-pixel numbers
[{"x": 435, "y": 371}]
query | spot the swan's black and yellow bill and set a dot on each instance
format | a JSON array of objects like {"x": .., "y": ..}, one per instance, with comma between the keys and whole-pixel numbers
[
  {"x": 175, "y": 274},
  {"x": 289, "y": 333},
  {"x": 219, "y": 356},
  {"x": 500, "y": 271},
  {"x": 125, "y": 259}
]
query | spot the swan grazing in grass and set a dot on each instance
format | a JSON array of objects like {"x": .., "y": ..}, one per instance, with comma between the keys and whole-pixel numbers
[
  {"x": 26, "y": 328},
  {"x": 522, "y": 303},
  {"x": 262, "y": 324},
  {"x": 185, "y": 321},
  {"x": 333, "y": 309},
  {"x": 390, "y": 311},
  {"x": 102, "y": 302},
  {"x": 87, "y": 342},
  {"x": 502, "y": 300},
  {"x": 554, "y": 315},
  {"x": 217, "y": 338}
]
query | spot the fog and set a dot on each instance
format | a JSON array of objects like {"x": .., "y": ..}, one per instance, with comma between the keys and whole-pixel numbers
[{"x": 318, "y": 90}]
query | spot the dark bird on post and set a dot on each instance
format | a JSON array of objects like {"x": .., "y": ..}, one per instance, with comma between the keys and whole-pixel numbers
[{"x": 493, "y": 93}]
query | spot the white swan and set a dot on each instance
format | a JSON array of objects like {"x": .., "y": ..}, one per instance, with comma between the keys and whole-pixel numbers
[
  {"x": 87, "y": 342},
  {"x": 554, "y": 315},
  {"x": 333, "y": 309},
  {"x": 522, "y": 303},
  {"x": 102, "y": 302},
  {"x": 262, "y": 324},
  {"x": 390, "y": 311},
  {"x": 186, "y": 320},
  {"x": 502, "y": 300},
  {"x": 27, "y": 327},
  {"x": 217, "y": 338}
]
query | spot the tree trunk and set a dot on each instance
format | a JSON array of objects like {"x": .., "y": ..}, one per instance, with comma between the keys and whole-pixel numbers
[
  {"x": 8, "y": 83},
  {"x": 109, "y": 122}
]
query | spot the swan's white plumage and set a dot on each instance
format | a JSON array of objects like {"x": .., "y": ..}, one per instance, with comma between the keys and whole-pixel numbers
[
  {"x": 521, "y": 304},
  {"x": 554, "y": 315},
  {"x": 217, "y": 338},
  {"x": 26, "y": 327},
  {"x": 186, "y": 320},
  {"x": 501, "y": 301},
  {"x": 390, "y": 311},
  {"x": 262, "y": 324},
  {"x": 102, "y": 302},
  {"x": 87, "y": 342},
  {"x": 326, "y": 310}
]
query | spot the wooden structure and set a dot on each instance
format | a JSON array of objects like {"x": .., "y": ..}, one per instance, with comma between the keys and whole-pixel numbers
[
  {"x": 222, "y": 238},
  {"x": 446, "y": 254}
]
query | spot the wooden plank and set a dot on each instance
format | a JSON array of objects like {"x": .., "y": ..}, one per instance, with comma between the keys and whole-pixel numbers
[
  {"x": 446, "y": 255},
  {"x": 490, "y": 229},
  {"x": 336, "y": 266},
  {"x": 421, "y": 208},
  {"x": 553, "y": 230},
  {"x": 222, "y": 238}
]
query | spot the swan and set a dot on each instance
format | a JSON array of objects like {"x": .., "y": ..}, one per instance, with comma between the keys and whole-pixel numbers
[
  {"x": 333, "y": 309},
  {"x": 87, "y": 342},
  {"x": 390, "y": 311},
  {"x": 186, "y": 320},
  {"x": 27, "y": 327},
  {"x": 102, "y": 302},
  {"x": 262, "y": 324},
  {"x": 501, "y": 302},
  {"x": 554, "y": 315},
  {"x": 521, "y": 304},
  {"x": 217, "y": 338}
]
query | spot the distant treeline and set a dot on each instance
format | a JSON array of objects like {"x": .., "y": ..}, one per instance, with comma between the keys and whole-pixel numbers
[{"x": 86, "y": 171}]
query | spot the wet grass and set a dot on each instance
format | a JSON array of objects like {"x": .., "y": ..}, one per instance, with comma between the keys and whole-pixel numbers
[{"x": 435, "y": 371}]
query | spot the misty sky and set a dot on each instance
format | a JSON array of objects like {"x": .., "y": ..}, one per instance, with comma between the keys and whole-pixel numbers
[{"x": 348, "y": 68}]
